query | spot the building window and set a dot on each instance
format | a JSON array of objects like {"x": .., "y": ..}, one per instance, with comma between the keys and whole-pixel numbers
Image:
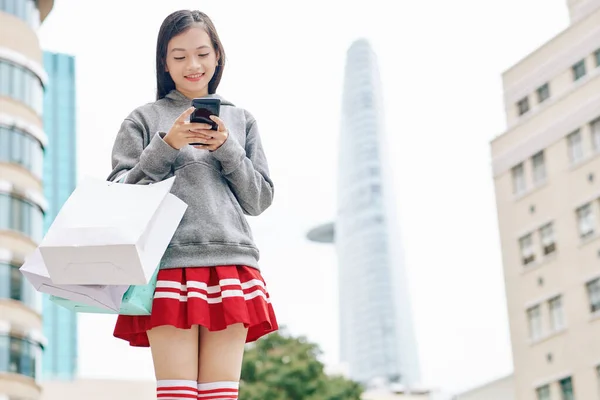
[
  {"x": 24, "y": 9},
  {"x": 18, "y": 356},
  {"x": 14, "y": 286},
  {"x": 18, "y": 147},
  {"x": 548, "y": 241},
  {"x": 557, "y": 318},
  {"x": 543, "y": 93},
  {"x": 595, "y": 127},
  {"x": 593, "y": 289},
  {"x": 523, "y": 105},
  {"x": 566, "y": 389},
  {"x": 22, "y": 85},
  {"x": 539, "y": 168},
  {"x": 579, "y": 70},
  {"x": 22, "y": 216},
  {"x": 585, "y": 219},
  {"x": 527, "y": 251},
  {"x": 575, "y": 147},
  {"x": 597, "y": 57},
  {"x": 534, "y": 317},
  {"x": 518, "y": 175},
  {"x": 543, "y": 392}
]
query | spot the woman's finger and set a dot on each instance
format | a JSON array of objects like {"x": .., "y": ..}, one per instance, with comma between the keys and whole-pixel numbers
[
  {"x": 183, "y": 117},
  {"x": 219, "y": 122},
  {"x": 198, "y": 134},
  {"x": 198, "y": 126},
  {"x": 206, "y": 132}
]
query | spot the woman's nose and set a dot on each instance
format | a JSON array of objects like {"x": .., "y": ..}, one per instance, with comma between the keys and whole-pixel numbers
[{"x": 194, "y": 63}]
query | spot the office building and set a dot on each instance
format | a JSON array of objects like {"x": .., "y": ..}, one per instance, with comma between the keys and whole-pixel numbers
[
  {"x": 377, "y": 338},
  {"x": 22, "y": 203},
  {"x": 546, "y": 169},
  {"x": 60, "y": 324}
]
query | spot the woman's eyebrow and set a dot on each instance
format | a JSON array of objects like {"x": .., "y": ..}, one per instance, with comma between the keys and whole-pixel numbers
[{"x": 197, "y": 48}]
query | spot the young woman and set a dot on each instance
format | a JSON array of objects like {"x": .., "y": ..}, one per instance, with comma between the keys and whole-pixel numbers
[{"x": 210, "y": 297}]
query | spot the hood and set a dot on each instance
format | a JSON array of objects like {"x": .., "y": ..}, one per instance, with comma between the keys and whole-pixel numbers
[{"x": 178, "y": 97}]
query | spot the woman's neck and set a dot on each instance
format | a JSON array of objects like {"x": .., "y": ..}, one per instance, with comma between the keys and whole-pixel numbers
[{"x": 193, "y": 95}]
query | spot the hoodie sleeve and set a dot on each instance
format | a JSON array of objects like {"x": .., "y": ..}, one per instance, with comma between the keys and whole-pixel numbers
[
  {"x": 247, "y": 171},
  {"x": 142, "y": 165}
]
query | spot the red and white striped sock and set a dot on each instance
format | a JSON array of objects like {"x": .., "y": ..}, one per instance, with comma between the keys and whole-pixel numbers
[
  {"x": 218, "y": 391},
  {"x": 176, "y": 390}
]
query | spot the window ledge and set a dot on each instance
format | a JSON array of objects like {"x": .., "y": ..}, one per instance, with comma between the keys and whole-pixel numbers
[
  {"x": 547, "y": 336},
  {"x": 587, "y": 240},
  {"x": 595, "y": 316},
  {"x": 585, "y": 160},
  {"x": 533, "y": 189},
  {"x": 538, "y": 264}
]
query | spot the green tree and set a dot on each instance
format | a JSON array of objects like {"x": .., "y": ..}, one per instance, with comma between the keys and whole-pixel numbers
[{"x": 281, "y": 367}]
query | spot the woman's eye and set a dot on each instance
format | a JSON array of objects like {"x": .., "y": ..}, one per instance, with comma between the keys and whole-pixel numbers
[
  {"x": 179, "y": 58},
  {"x": 203, "y": 55}
]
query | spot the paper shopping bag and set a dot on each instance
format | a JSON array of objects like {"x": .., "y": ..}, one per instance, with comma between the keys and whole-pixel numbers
[
  {"x": 111, "y": 233},
  {"x": 100, "y": 296},
  {"x": 137, "y": 300}
]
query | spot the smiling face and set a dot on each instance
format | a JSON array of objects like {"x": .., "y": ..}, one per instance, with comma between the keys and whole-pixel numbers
[{"x": 191, "y": 61}]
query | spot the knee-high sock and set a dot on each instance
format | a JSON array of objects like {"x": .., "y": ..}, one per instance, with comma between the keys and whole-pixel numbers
[
  {"x": 218, "y": 391},
  {"x": 176, "y": 390}
]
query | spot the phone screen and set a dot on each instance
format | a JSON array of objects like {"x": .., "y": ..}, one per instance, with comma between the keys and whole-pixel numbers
[
  {"x": 202, "y": 115},
  {"x": 203, "y": 111}
]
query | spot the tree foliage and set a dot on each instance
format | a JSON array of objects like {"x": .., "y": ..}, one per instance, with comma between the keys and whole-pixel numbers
[{"x": 281, "y": 367}]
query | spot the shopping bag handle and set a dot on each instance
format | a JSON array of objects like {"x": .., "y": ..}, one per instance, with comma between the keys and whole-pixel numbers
[{"x": 121, "y": 179}]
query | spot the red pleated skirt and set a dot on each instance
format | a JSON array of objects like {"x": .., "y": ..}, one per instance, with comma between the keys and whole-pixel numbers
[{"x": 213, "y": 297}]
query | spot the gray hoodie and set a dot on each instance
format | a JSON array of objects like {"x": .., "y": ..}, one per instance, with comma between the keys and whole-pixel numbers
[{"x": 219, "y": 187}]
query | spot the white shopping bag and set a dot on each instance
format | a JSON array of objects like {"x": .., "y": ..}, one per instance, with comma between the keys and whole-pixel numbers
[
  {"x": 111, "y": 233},
  {"x": 103, "y": 296}
]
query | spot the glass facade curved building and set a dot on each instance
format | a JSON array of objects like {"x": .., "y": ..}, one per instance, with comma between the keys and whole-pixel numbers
[
  {"x": 377, "y": 340},
  {"x": 60, "y": 324},
  {"x": 22, "y": 202}
]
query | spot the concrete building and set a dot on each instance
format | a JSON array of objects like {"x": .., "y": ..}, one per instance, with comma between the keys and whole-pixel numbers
[
  {"x": 101, "y": 389},
  {"x": 398, "y": 394},
  {"x": 22, "y": 204},
  {"x": 60, "y": 177},
  {"x": 98, "y": 389},
  {"x": 377, "y": 338},
  {"x": 546, "y": 168},
  {"x": 500, "y": 389}
]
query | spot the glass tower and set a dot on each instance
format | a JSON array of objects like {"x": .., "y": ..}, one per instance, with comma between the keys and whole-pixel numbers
[
  {"x": 376, "y": 330},
  {"x": 60, "y": 325}
]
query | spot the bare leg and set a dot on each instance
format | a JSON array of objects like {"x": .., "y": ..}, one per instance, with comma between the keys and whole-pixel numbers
[
  {"x": 220, "y": 361},
  {"x": 175, "y": 362}
]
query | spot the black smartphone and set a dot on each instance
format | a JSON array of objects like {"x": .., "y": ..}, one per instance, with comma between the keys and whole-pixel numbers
[{"x": 204, "y": 108}]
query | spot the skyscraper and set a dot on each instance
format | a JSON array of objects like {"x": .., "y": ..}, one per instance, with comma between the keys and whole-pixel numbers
[
  {"x": 60, "y": 324},
  {"x": 546, "y": 167},
  {"x": 22, "y": 204},
  {"x": 376, "y": 330}
]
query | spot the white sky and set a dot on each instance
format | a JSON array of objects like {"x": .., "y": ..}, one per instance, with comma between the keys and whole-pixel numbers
[{"x": 441, "y": 63}]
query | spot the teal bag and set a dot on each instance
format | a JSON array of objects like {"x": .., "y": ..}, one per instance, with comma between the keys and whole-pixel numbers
[{"x": 137, "y": 300}]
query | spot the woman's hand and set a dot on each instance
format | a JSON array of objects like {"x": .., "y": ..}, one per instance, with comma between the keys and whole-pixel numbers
[
  {"x": 183, "y": 132},
  {"x": 212, "y": 140}
]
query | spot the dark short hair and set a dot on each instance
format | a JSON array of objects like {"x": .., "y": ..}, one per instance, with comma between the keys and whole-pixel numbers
[{"x": 175, "y": 24}]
